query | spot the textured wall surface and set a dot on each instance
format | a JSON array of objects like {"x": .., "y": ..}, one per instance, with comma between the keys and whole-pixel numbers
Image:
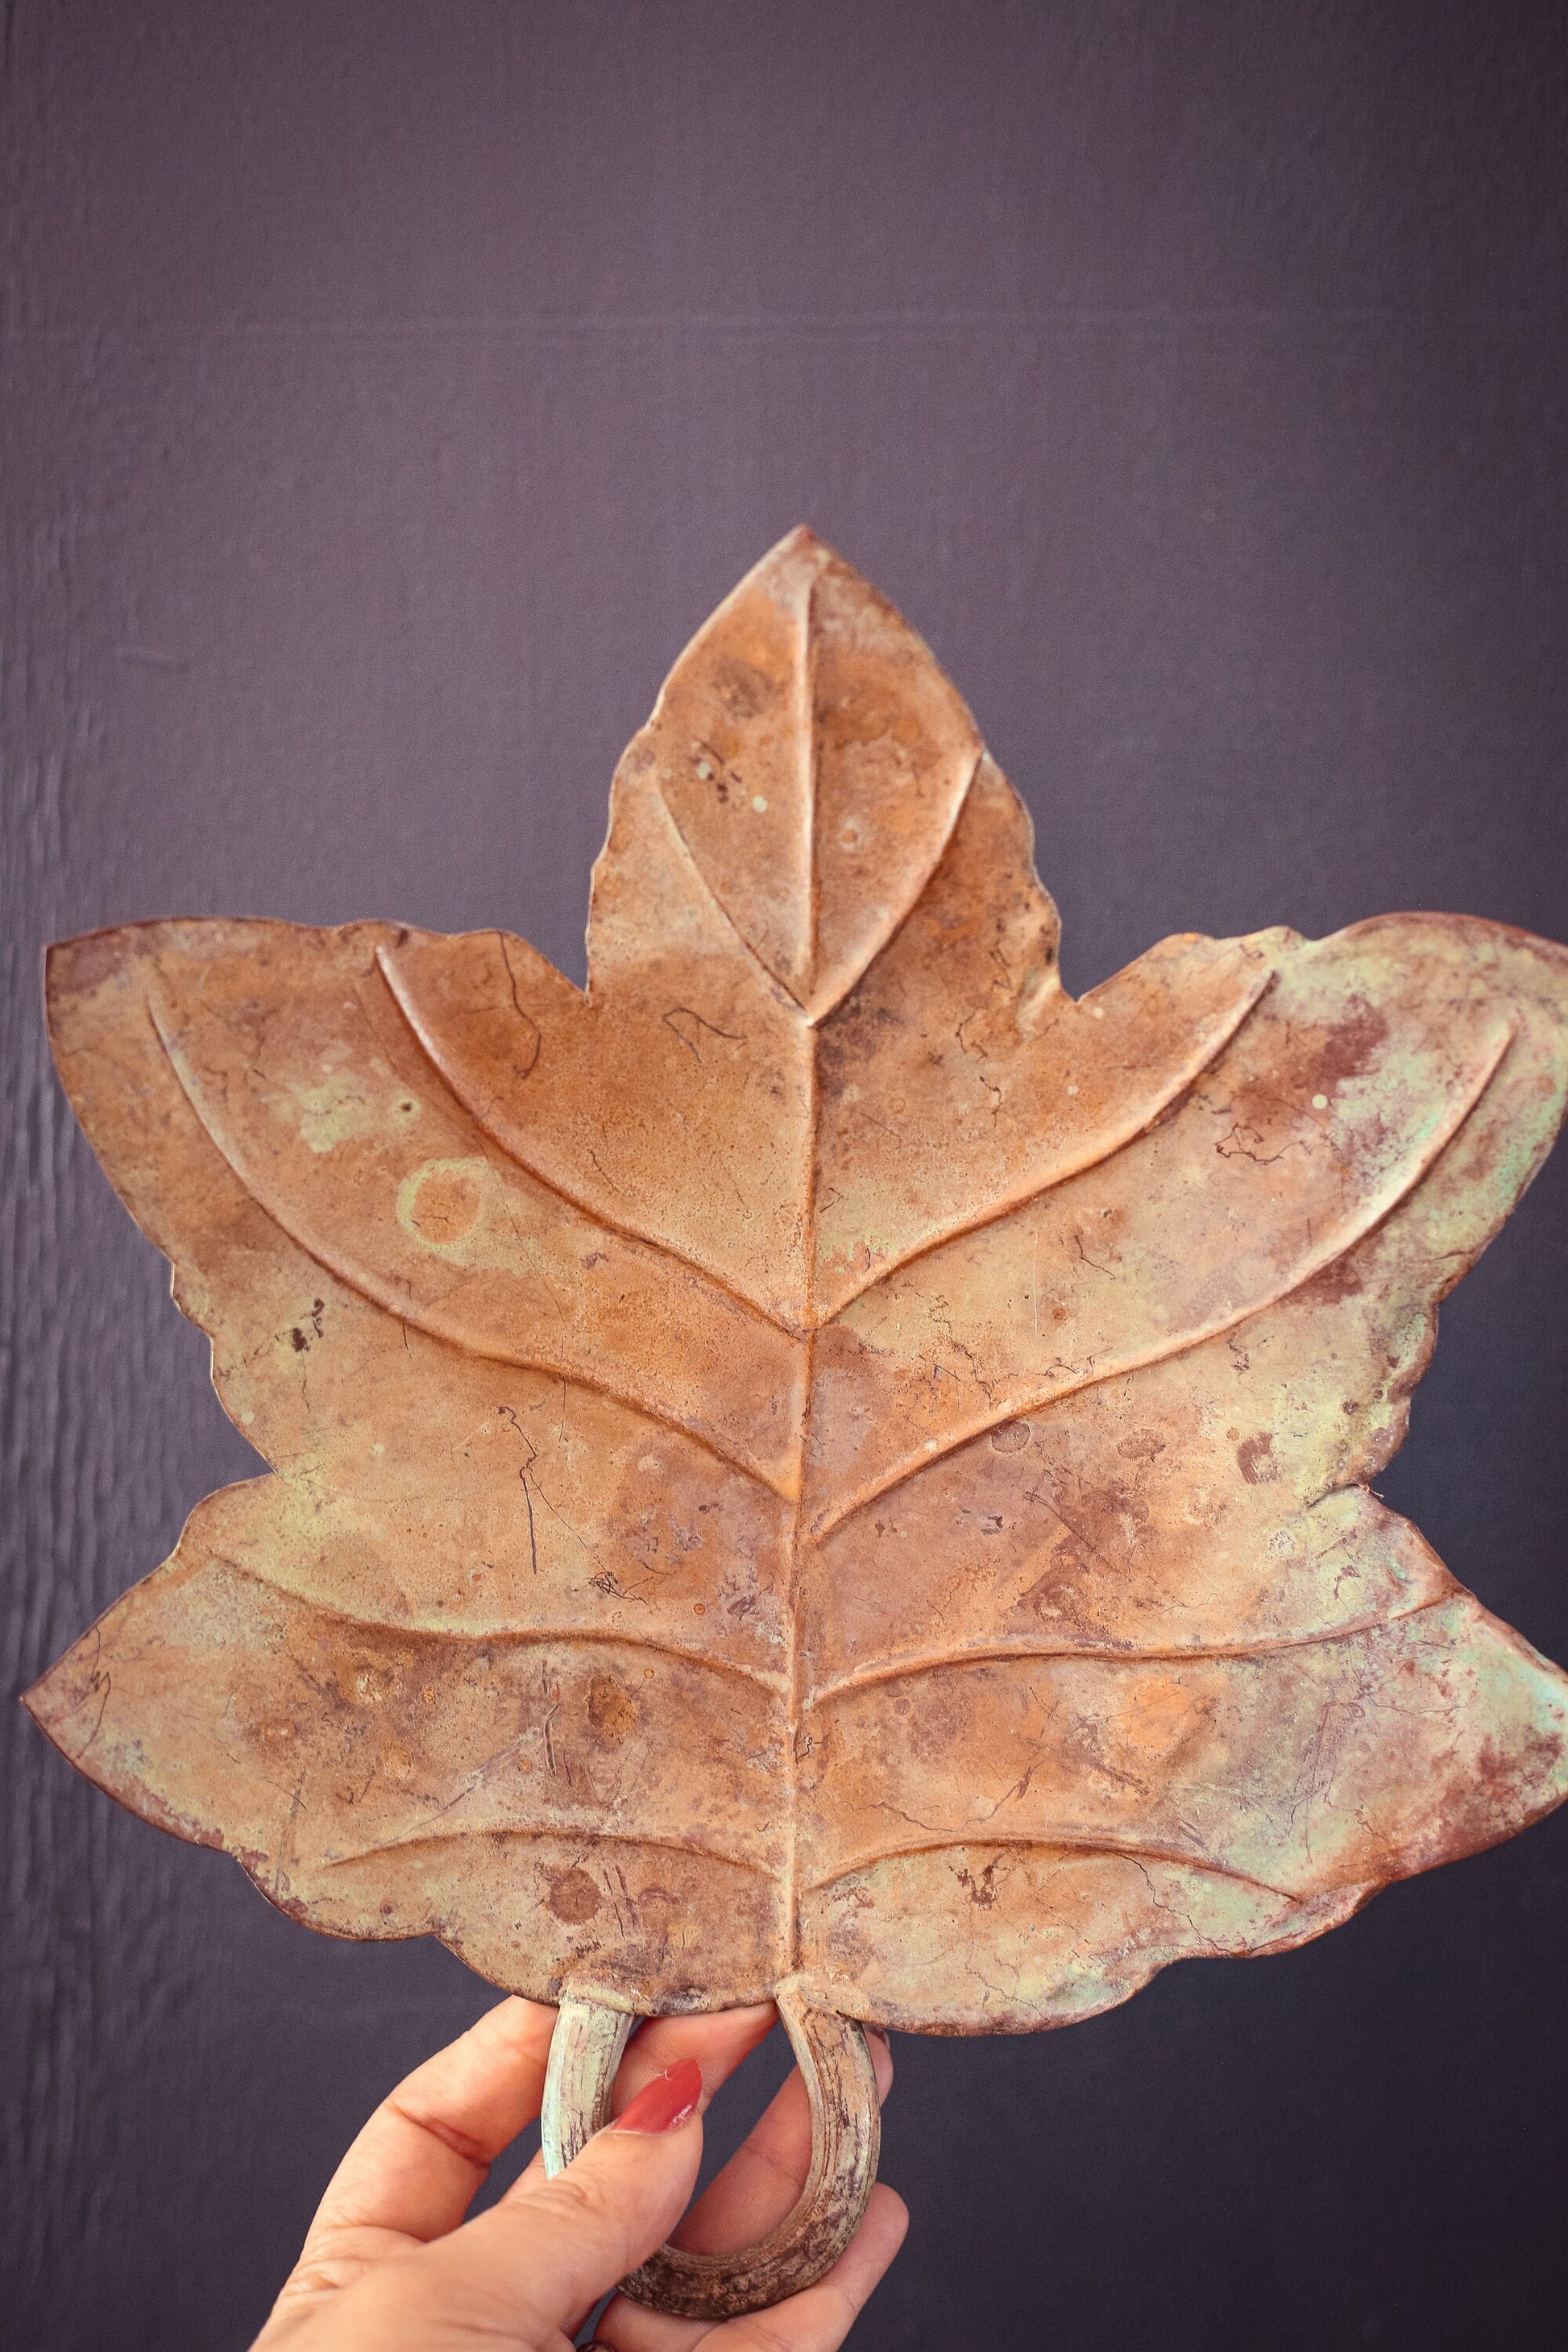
[{"x": 387, "y": 391}]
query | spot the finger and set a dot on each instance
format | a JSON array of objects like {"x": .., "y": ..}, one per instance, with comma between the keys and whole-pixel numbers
[
  {"x": 767, "y": 2172},
  {"x": 755, "y": 2189},
  {"x": 416, "y": 2164},
  {"x": 549, "y": 2248},
  {"x": 718, "y": 2041},
  {"x": 819, "y": 2319},
  {"x": 815, "y": 2320}
]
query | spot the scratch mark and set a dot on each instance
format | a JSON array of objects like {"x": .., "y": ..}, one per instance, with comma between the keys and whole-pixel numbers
[{"x": 668, "y": 1021}]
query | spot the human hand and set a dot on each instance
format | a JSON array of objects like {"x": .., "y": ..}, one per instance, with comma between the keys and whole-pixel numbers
[{"x": 392, "y": 2265}]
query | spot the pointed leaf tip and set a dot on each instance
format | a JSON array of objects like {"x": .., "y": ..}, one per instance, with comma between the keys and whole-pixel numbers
[
  {"x": 814, "y": 758},
  {"x": 803, "y": 540}
]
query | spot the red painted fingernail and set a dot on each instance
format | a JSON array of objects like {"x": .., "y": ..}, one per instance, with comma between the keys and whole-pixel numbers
[{"x": 666, "y": 2102}]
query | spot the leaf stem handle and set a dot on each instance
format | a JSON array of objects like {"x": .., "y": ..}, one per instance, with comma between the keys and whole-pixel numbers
[{"x": 845, "y": 2141}]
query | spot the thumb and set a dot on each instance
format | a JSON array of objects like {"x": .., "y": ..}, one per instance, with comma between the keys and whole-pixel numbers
[{"x": 552, "y": 2248}]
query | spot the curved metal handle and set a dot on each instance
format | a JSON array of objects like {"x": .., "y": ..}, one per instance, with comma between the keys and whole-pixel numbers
[{"x": 845, "y": 2141}]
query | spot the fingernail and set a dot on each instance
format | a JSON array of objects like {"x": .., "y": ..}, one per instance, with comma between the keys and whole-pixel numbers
[{"x": 666, "y": 2102}]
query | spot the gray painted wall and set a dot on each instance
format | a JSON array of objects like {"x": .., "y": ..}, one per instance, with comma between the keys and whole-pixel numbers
[{"x": 388, "y": 390}]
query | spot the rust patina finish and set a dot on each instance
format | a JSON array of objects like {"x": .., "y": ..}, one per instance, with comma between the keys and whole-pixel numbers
[{"x": 822, "y": 1462}]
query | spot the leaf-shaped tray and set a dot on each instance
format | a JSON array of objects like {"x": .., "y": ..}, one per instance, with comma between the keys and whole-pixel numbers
[{"x": 821, "y": 1467}]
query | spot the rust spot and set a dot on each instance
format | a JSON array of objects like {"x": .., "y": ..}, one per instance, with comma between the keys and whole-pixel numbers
[
  {"x": 1144, "y": 1445},
  {"x": 611, "y": 1710},
  {"x": 1348, "y": 1047},
  {"x": 1341, "y": 1278},
  {"x": 981, "y": 1890},
  {"x": 573, "y": 1896},
  {"x": 298, "y": 1335},
  {"x": 365, "y": 1682},
  {"x": 742, "y": 687},
  {"x": 445, "y": 1205},
  {"x": 1255, "y": 1459}
]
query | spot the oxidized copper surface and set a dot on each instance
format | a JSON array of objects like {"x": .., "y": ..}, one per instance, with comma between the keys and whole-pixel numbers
[{"x": 821, "y": 1462}]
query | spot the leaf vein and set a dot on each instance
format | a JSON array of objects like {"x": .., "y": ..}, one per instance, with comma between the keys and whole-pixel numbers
[
  {"x": 985, "y": 1653},
  {"x": 424, "y": 1318},
  {"x": 1097, "y": 1847},
  {"x": 1034, "y": 1396}
]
